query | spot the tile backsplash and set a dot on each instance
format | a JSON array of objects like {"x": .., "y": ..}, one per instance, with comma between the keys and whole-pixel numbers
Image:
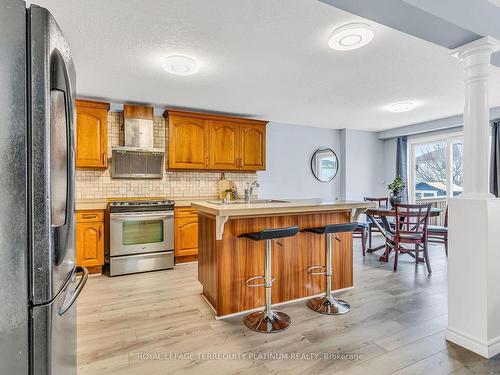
[{"x": 99, "y": 184}]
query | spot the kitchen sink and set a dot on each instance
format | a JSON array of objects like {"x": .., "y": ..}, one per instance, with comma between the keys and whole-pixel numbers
[{"x": 253, "y": 201}]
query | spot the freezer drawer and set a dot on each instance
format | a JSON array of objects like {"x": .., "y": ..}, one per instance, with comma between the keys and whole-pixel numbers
[
  {"x": 141, "y": 263},
  {"x": 53, "y": 330}
]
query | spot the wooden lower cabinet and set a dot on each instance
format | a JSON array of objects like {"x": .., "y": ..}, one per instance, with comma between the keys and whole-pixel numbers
[
  {"x": 90, "y": 240},
  {"x": 186, "y": 234}
]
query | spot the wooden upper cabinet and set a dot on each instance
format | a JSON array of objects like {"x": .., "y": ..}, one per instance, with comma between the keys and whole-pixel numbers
[
  {"x": 252, "y": 147},
  {"x": 224, "y": 145},
  {"x": 138, "y": 111},
  {"x": 188, "y": 143},
  {"x": 214, "y": 142},
  {"x": 91, "y": 134}
]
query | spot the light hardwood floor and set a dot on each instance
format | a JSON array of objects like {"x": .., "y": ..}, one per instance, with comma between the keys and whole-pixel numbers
[{"x": 396, "y": 325}]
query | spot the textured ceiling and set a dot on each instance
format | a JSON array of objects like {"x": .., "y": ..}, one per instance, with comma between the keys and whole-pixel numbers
[{"x": 265, "y": 59}]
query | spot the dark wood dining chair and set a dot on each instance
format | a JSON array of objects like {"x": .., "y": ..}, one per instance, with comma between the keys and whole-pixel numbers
[
  {"x": 372, "y": 228},
  {"x": 438, "y": 233},
  {"x": 411, "y": 225},
  {"x": 361, "y": 231}
]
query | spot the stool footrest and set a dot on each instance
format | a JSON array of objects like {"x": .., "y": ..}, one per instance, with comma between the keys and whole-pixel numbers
[
  {"x": 251, "y": 285},
  {"x": 316, "y": 273}
]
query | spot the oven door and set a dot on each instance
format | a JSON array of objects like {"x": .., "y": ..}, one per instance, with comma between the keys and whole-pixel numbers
[{"x": 141, "y": 232}]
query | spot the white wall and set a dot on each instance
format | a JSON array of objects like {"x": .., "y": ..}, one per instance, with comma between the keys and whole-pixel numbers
[
  {"x": 363, "y": 165},
  {"x": 289, "y": 151}
]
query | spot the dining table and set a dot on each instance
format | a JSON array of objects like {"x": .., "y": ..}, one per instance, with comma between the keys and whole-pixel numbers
[{"x": 380, "y": 217}]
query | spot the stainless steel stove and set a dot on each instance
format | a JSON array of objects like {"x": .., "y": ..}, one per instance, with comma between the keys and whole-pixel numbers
[{"x": 141, "y": 236}]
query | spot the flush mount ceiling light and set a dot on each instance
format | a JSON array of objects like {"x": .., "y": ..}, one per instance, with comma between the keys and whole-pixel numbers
[
  {"x": 351, "y": 36},
  {"x": 401, "y": 106},
  {"x": 495, "y": 2},
  {"x": 180, "y": 65}
]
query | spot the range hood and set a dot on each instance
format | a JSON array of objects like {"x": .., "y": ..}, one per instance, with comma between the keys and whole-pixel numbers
[
  {"x": 138, "y": 123},
  {"x": 138, "y": 158},
  {"x": 134, "y": 162}
]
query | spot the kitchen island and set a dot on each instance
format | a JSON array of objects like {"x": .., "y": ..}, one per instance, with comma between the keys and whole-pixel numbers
[{"x": 225, "y": 261}]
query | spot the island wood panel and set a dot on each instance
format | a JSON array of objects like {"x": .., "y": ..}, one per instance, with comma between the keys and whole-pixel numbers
[
  {"x": 225, "y": 265},
  {"x": 207, "y": 264}
]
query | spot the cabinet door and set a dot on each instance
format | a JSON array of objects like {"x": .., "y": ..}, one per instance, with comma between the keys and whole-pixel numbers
[
  {"x": 252, "y": 147},
  {"x": 188, "y": 143},
  {"x": 90, "y": 244},
  {"x": 224, "y": 145},
  {"x": 186, "y": 236},
  {"x": 91, "y": 136}
]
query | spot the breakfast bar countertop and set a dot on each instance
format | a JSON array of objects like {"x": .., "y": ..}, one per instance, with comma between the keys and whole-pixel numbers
[{"x": 270, "y": 207}]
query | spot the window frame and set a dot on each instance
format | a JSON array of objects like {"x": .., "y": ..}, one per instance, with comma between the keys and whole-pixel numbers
[{"x": 448, "y": 139}]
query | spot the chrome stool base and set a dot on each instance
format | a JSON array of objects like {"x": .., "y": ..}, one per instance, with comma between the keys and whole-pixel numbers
[
  {"x": 273, "y": 321},
  {"x": 328, "y": 305}
]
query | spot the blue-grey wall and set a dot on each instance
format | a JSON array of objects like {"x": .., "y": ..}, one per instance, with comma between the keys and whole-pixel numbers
[
  {"x": 363, "y": 165},
  {"x": 289, "y": 151}
]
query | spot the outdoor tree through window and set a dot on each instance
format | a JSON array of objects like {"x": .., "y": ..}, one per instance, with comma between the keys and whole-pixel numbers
[{"x": 437, "y": 169}]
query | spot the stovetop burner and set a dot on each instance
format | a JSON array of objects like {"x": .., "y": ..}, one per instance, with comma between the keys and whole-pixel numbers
[{"x": 139, "y": 206}]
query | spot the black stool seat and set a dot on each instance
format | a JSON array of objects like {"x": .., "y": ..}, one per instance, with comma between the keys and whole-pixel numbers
[
  {"x": 332, "y": 228},
  {"x": 270, "y": 234}
]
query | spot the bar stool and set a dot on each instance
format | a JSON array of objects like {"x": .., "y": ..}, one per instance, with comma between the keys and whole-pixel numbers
[
  {"x": 268, "y": 320},
  {"x": 328, "y": 304}
]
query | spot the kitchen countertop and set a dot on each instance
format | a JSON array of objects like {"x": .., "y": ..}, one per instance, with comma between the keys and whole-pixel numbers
[
  {"x": 223, "y": 212},
  {"x": 102, "y": 204},
  {"x": 276, "y": 207}
]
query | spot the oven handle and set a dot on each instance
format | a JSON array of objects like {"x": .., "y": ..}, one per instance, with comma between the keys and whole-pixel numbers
[{"x": 141, "y": 217}]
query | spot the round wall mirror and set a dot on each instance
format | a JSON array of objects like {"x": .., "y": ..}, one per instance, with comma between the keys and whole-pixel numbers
[{"x": 324, "y": 164}]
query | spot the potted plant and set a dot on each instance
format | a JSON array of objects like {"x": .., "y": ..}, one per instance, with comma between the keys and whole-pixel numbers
[{"x": 396, "y": 188}]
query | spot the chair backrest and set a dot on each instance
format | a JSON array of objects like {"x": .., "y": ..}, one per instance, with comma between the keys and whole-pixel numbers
[
  {"x": 412, "y": 219},
  {"x": 446, "y": 218},
  {"x": 381, "y": 202}
]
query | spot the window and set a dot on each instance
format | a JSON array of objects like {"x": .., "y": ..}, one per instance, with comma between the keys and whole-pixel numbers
[{"x": 435, "y": 168}]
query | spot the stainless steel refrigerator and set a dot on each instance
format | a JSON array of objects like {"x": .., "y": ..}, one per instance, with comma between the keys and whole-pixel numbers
[{"x": 39, "y": 280}]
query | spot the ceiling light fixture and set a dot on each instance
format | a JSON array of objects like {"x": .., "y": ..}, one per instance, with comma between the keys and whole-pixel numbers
[
  {"x": 180, "y": 65},
  {"x": 495, "y": 2},
  {"x": 401, "y": 106},
  {"x": 351, "y": 36}
]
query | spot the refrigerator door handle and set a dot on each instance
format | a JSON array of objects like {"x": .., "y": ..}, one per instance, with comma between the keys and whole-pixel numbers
[{"x": 77, "y": 291}]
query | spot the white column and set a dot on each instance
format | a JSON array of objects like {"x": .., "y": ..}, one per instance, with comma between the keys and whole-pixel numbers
[
  {"x": 476, "y": 57},
  {"x": 474, "y": 220}
]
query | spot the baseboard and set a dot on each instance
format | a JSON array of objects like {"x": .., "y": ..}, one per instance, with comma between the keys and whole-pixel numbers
[{"x": 485, "y": 349}]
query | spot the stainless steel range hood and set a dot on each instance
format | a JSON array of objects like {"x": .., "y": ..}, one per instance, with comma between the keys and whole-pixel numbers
[
  {"x": 134, "y": 162},
  {"x": 138, "y": 158},
  {"x": 138, "y": 123}
]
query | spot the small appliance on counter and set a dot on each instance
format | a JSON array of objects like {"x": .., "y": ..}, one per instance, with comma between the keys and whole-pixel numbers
[{"x": 141, "y": 236}]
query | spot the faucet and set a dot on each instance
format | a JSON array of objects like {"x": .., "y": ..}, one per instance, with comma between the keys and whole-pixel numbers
[{"x": 249, "y": 190}]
